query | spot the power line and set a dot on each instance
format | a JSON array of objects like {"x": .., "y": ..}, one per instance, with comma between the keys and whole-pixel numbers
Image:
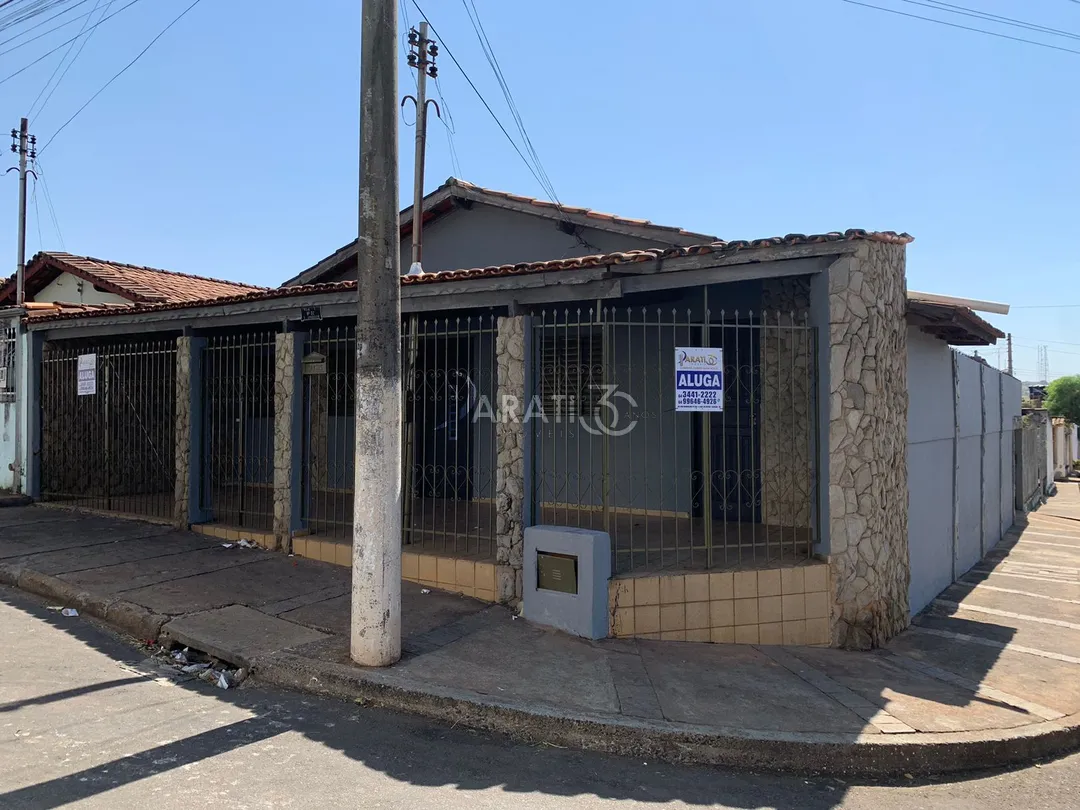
[
  {"x": 1047, "y": 340},
  {"x": 26, "y": 31},
  {"x": 27, "y": 11},
  {"x": 1047, "y": 306},
  {"x": 447, "y": 121},
  {"x": 479, "y": 95},
  {"x": 1046, "y": 348},
  {"x": 43, "y": 34},
  {"x": 963, "y": 27},
  {"x": 60, "y": 64},
  {"x": 120, "y": 73},
  {"x": 952, "y": 8},
  {"x": 62, "y": 44},
  {"x": 37, "y": 215},
  {"x": 49, "y": 203},
  {"x": 508, "y": 96}
]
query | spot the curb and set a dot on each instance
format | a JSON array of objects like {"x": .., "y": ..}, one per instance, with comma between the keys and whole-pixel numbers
[
  {"x": 864, "y": 755},
  {"x": 15, "y": 500},
  {"x": 128, "y": 617}
]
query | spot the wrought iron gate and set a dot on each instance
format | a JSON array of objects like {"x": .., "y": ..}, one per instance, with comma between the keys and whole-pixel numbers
[
  {"x": 448, "y": 456},
  {"x": 677, "y": 489},
  {"x": 111, "y": 445},
  {"x": 238, "y": 430}
]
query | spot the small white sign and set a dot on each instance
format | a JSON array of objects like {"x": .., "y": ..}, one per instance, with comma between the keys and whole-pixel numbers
[
  {"x": 87, "y": 371},
  {"x": 699, "y": 379}
]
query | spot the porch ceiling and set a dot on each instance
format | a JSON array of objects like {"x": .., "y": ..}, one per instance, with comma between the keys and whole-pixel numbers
[{"x": 956, "y": 325}]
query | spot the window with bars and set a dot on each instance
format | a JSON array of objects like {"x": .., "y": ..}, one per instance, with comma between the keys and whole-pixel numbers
[{"x": 571, "y": 372}]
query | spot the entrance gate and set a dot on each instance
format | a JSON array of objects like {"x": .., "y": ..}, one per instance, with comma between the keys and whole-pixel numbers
[{"x": 109, "y": 443}]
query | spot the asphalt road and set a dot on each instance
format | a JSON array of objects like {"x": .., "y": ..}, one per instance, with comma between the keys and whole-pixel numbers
[{"x": 82, "y": 725}]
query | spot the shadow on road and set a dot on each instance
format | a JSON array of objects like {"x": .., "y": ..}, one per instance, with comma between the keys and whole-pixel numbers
[{"x": 409, "y": 749}]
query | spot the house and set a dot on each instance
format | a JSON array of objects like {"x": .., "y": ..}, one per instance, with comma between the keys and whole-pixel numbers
[
  {"x": 60, "y": 282},
  {"x": 54, "y": 278},
  {"x": 469, "y": 226},
  {"x": 769, "y": 505}
]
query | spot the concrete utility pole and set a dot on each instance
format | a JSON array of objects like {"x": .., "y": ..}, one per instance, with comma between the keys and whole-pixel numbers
[
  {"x": 376, "y": 576},
  {"x": 423, "y": 59},
  {"x": 1008, "y": 340},
  {"x": 422, "y": 53},
  {"x": 26, "y": 146}
]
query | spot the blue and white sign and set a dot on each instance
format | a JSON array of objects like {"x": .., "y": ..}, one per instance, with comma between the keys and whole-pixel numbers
[
  {"x": 87, "y": 375},
  {"x": 699, "y": 379}
]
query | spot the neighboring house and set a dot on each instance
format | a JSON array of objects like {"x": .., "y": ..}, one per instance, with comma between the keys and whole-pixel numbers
[
  {"x": 1064, "y": 447},
  {"x": 469, "y": 226},
  {"x": 61, "y": 282},
  {"x": 62, "y": 279}
]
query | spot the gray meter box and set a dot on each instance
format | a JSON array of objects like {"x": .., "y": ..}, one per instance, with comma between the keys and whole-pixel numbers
[{"x": 565, "y": 579}]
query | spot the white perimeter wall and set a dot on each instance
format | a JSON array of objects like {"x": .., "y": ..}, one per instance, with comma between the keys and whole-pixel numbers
[{"x": 960, "y": 420}]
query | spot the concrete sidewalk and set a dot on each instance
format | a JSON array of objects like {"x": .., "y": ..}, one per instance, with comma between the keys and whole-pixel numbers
[{"x": 988, "y": 675}]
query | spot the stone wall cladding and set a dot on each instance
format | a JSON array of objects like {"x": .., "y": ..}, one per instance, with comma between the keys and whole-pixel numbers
[
  {"x": 183, "y": 436},
  {"x": 285, "y": 391},
  {"x": 510, "y": 460},
  {"x": 787, "y": 405},
  {"x": 868, "y": 490}
]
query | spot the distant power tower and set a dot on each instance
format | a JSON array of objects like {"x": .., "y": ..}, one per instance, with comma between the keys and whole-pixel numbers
[{"x": 1043, "y": 365}]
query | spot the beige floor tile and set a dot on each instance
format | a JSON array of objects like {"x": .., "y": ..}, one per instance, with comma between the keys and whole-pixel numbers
[
  {"x": 647, "y": 619},
  {"x": 770, "y": 609},
  {"x": 746, "y": 611},
  {"x": 816, "y": 578},
  {"x": 771, "y": 633},
  {"x": 748, "y": 634},
  {"x": 697, "y": 616},
  {"x": 722, "y": 613},
  {"x": 697, "y": 587},
  {"x": 794, "y": 606},
  {"x": 768, "y": 582},
  {"x": 722, "y": 585},
  {"x": 647, "y": 591},
  {"x": 792, "y": 580},
  {"x": 722, "y": 635},
  {"x": 672, "y": 590},
  {"x": 672, "y": 617},
  {"x": 745, "y": 584}
]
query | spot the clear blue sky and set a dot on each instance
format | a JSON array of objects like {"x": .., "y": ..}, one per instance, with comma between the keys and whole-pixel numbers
[{"x": 230, "y": 149}]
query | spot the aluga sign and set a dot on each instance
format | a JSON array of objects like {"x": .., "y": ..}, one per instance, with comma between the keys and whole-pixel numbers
[{"x": 699, "y": 379}]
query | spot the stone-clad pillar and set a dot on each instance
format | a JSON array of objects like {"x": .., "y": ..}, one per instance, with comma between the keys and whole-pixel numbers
[
  {"x": 510, "y": 459},
  {"x": 868, "y": 493},
  {"x": 188, "y": 454},
  {"x": 288, "y": 406},
  {"x": 785, "y": 437}
]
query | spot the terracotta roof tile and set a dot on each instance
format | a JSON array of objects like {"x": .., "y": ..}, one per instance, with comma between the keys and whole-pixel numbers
[
  {"x": 526, "y": 268},
  {"x": 571, "y": 209},
  {"x": 144, "y": 285}
]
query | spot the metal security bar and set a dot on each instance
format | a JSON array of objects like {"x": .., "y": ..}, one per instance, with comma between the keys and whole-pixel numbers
[
  {"x": 449, "y": 441},
  {"x": 8, "y": 346},
  {"x": 238, "y": 430},
  {"x": 329, "y": 383},
  {"x": 1030, "y": 460},
  {"x": 677, "y": 489},
  {"x": 448, "y": 450},
  {"x": 108, "y": 426}
]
